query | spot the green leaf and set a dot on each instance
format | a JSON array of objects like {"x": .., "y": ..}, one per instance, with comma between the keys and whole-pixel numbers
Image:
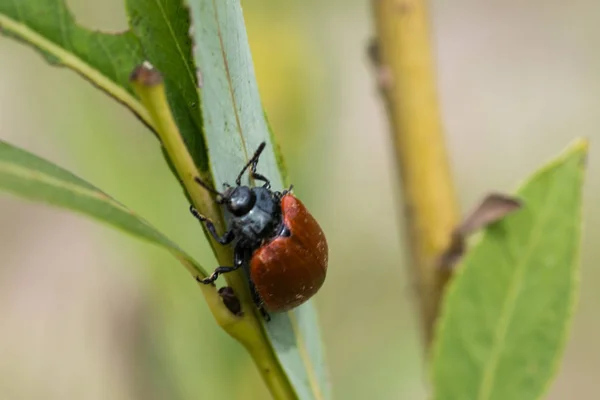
[
  {"x": 29, "y": 176},
  {"x": 162, "y": 27},
  {"x": 506, "y": 315},
  {"x": 234, "y": 122},
  {"x": 235, "y": 125},
  {"x": 104, "y": 59}
]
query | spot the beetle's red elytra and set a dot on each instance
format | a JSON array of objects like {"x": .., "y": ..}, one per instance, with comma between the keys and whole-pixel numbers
[
  {"x": 288, "y": 270},
  {"x": 277, "y": 241}
]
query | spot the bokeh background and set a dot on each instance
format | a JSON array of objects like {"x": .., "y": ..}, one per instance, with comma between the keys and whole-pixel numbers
[{"x": 87, "y": 312}]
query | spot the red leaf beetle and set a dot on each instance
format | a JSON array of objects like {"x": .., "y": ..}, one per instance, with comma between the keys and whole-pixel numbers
[{"x": 278, "y": 242}]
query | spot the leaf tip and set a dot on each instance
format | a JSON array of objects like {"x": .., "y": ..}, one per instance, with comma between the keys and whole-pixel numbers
[
  {"x": 579, "y": 148},
  {"x": 581, "y": 144},
  {"x": 146, "y": 75}
]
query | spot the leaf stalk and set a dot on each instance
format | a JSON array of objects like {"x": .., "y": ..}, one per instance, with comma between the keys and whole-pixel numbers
[{"x": 247, "y": 329}]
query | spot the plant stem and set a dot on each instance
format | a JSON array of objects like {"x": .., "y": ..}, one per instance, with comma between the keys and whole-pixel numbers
[
  {"x": 246, "y": 329},
  {"x": 407, "y": 83}
]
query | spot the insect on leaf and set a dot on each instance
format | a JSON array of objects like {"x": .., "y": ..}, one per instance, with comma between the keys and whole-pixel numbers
[{"x": 235, "y": 125}]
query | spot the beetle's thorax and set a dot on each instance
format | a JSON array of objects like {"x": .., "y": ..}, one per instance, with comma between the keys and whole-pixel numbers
[{"x": 261, "y": 222}]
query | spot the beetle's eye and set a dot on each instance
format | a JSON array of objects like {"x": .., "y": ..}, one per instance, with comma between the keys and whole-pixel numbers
[{"x": 241, "y": 201}]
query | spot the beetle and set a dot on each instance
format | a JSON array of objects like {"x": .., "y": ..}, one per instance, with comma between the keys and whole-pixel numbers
[{"x": 277, "y": 241}]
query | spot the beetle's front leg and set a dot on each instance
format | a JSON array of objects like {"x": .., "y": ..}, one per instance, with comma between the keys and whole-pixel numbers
[
  {"x": 238, "y": 261},
  {"x": 260, "y": 177},
  {"x": 227, "y": 236},
  {"x": 279, "y": 195}
]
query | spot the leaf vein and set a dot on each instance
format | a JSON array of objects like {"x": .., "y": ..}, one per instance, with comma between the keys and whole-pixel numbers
[
  {"x": 39, "y": 176},
  {"x": 62, "y": 26},
  {"x": 111, "y": 60},
  {"x": 229, "y": 79},
  {"x": 163, "y": 14},
  {"x": 18, "y": 10},
  {"x": 510, "y": 302},
  {"x": 312, "y": 379},
  {"x": 76, "y": 63}
]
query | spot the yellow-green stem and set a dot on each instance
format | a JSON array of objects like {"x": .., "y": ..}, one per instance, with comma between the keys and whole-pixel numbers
[
  {"x": 72, "y": 61},
  {"x": 246, "y": 329},
  {"x": 406, "y": 78}
]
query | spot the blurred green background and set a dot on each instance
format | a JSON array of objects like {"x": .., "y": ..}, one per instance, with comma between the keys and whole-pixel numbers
[{"x": 87, "y": 312}]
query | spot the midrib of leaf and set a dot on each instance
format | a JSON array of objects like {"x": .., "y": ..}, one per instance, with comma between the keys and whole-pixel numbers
[
  {"x": 509, "y": 304},
  {"x": 229, "y": 82},
  {"x": 37, "y": 176},
  {"x": 108, "y": 56},
  {"x": 76, "y": 64},
  {"x": 314, "y": 382},
  {"x": 177, "y": 45}
]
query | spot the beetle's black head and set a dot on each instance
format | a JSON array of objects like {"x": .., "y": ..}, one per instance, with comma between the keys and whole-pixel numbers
[{"x": 239, "y": 200}]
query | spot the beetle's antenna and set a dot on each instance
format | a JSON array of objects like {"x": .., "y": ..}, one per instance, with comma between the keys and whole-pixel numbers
[
  {"x": 220, "y": 196},
  {"x": 253, "y": 161}
]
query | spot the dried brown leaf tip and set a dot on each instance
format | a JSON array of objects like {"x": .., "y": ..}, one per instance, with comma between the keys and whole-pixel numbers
[
  {"x": 493, "y": 208},
  {"x": 145, "y": 74}
]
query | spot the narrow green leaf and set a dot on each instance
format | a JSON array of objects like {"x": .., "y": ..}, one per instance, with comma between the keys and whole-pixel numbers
[
  {"x": 235, "y": 125},
  {"x": 233, "y": 116},
  {"x": 104, "y": 59},
  {"x": 29, "y": 176},
  {"x": 162, "y": 27},
  {"x": 507, "y": 312}
]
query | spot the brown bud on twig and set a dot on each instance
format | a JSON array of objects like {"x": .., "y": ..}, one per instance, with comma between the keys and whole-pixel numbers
[
  {"x": 493, "y": 208},
  {"x": 145, "y": 74}
]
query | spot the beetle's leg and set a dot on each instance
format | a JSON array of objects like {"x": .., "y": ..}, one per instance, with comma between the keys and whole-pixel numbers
[
  {"x": 227, "y": 236},
  {"x": 286, "y": 191},
  {"x": 207, "y": 186},
  {"x": 253, "y": 161},
  {"x": 260, "y": 177},
  {"x": 279, "y": 195},
  {"x": 258, "y": 302},
  {"x": 252, "y": 164},
  {"x": 238, "y": 261},
  {"x": 264, "y": 313}
]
